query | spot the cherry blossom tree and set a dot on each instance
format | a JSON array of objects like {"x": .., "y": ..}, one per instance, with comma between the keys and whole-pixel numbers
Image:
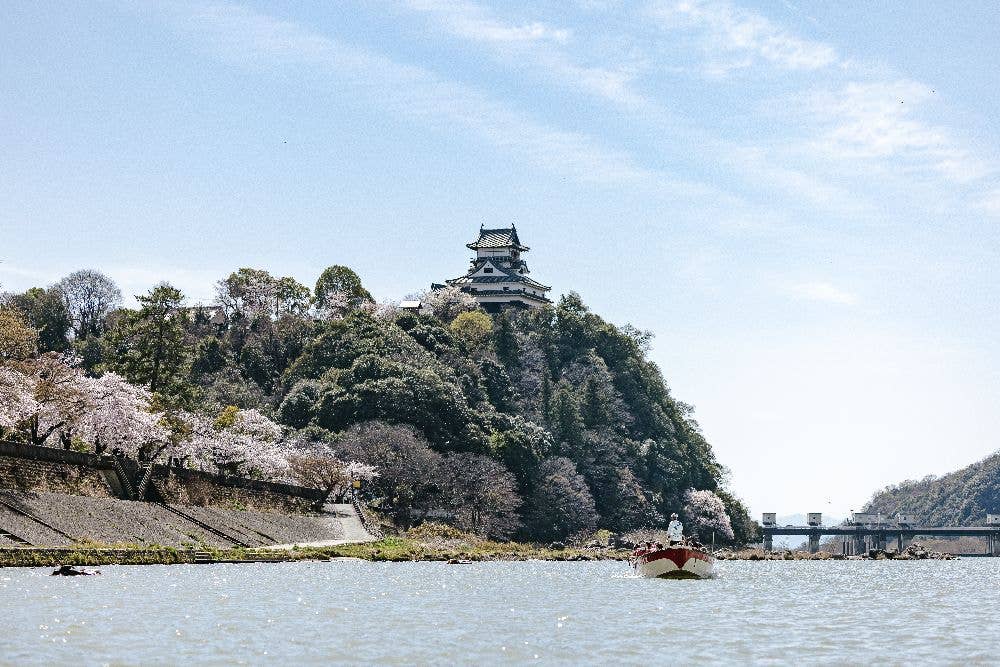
[
  {"x": 237, "y": 442},
  {"x": 17, "y": 400},
  {"x": 48, "y": 398},
  {"x": 449, "y": 302},
  {"x": 705, "y": 512},
  {"x": 118, "y": 416},
  {"x": 247, "y": 294},
  {"x": 315, "y": 466},
  {"x": 335, "y": 305}
]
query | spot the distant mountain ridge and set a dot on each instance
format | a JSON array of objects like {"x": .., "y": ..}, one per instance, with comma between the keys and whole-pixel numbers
[{"x": 960, "y": 498}]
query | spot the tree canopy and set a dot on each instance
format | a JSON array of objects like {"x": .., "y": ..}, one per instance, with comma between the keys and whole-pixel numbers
[{"x": 543, "y": 423}]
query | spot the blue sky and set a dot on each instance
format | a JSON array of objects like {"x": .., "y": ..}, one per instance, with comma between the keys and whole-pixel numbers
[{"x": 800, "y": 200}]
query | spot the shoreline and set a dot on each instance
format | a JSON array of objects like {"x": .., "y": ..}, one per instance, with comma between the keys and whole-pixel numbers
[
  {"x": 386, "y": 550},
  {"x": 391, "y": 550}
]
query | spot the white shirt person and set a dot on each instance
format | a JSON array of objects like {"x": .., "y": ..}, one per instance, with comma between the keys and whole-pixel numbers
[{"x": 675, "y": 531}]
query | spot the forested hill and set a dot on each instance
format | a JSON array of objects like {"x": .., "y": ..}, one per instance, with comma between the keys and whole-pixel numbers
[
  {"x": 540, "y": 424},
  {"x": 960, "y": 498}
]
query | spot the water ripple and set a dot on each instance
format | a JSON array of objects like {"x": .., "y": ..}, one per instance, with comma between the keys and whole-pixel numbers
[{"x": 773, "y": 612}]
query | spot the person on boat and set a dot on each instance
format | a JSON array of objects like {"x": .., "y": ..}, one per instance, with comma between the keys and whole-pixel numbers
[{"x": 675, "y": 531}]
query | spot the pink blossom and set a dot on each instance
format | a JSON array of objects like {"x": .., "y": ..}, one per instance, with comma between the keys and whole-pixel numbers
[{"x": 704, "y": 511}]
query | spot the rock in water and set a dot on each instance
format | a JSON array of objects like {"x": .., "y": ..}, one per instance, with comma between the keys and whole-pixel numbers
[{"x": 70, "y": 571}]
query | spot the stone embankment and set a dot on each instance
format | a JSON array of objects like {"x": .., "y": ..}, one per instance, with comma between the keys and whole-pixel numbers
[
  {"x": 46, "y": 469},
  {"x": 52, "y": 498},
  {"x": 55, "y": 519}
]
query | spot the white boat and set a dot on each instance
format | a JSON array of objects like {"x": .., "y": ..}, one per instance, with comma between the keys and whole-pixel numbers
[{"x": 673, "y": 562}]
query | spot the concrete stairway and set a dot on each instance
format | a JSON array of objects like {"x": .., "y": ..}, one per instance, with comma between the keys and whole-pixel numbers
[{"x": 350, "y": 522}]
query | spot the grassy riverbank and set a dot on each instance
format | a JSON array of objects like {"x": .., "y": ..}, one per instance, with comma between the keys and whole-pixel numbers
[
  {"x": 393, "y": 549},
  {"x": 433, "y": 543}
]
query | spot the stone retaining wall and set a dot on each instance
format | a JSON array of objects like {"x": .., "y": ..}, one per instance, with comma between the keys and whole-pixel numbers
[
  {"x": 27, "y": 469},
  {"x": 193, "y": 487},
  {"x": 46, "y": 469}
]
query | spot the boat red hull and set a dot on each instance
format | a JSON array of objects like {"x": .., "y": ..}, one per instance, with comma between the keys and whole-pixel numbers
[{"x": 675, "y": 563}]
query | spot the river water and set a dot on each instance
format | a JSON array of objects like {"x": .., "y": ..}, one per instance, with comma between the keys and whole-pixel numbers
[{"x": 549, "y": 613}]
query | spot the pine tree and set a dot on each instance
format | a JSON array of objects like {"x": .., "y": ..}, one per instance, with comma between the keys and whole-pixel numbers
[
  {"x": 595, "y": 412},
  {"x": 568, "y": 426},
  {"x": 148, "y": 344},
  {"x": 546, "y": 397},
  {"x": 505, "y": 342}
]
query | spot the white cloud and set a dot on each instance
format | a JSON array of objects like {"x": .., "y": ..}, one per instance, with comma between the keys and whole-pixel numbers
[
  {"x": 470, "y": 21},
  {"x": 760, "y": 166},
  {"x": 736, "y": 38},
  {"x": 534, "y": 45},
  {"x": 990, "y": 203},
  {"x": 869, "y": 120},
  {"x": 249, "y": 38},
  {"x": 821, "y": 291}
]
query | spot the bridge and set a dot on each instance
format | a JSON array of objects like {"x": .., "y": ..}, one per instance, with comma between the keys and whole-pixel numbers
[{"x": 865, "y": 531}]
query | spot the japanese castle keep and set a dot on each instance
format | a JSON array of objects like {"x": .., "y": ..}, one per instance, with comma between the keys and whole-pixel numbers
[{"x": 498, "y": 277}]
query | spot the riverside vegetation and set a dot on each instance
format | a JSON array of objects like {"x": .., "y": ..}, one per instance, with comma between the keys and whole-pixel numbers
[{"x": 538, "y": 425}]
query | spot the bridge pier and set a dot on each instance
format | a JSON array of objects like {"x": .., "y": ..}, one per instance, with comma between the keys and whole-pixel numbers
[{"x": 860, "y": 539}]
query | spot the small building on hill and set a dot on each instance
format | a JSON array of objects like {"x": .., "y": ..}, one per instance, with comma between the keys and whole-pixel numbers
[{"x": 498, "y": 275}]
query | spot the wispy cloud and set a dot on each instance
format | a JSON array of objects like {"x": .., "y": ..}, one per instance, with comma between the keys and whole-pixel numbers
[
  {"x": 249, "y": 38},
  {"x": 735, "y": 38},
  {"x": 877, "y": 122},
  {"x": 866, "y": 120},
  {"x": 822, "y": 291},
  {"x": 535, "y": 45},
  {"x": 560, "y": 64},
  {"x": 990, "y": 203},
  {"x": 474, "y": 22}
]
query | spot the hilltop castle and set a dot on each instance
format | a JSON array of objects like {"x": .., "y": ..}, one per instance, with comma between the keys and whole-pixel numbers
[{"x": 497, "y": 275}]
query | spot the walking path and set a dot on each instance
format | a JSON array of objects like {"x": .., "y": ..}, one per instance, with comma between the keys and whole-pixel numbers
[{"x": 351, "y": 529}]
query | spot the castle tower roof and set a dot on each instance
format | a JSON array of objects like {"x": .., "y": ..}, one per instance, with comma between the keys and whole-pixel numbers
[
  {"x": 498, "y": 275},
  {"x": 502, "y": 237}
]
